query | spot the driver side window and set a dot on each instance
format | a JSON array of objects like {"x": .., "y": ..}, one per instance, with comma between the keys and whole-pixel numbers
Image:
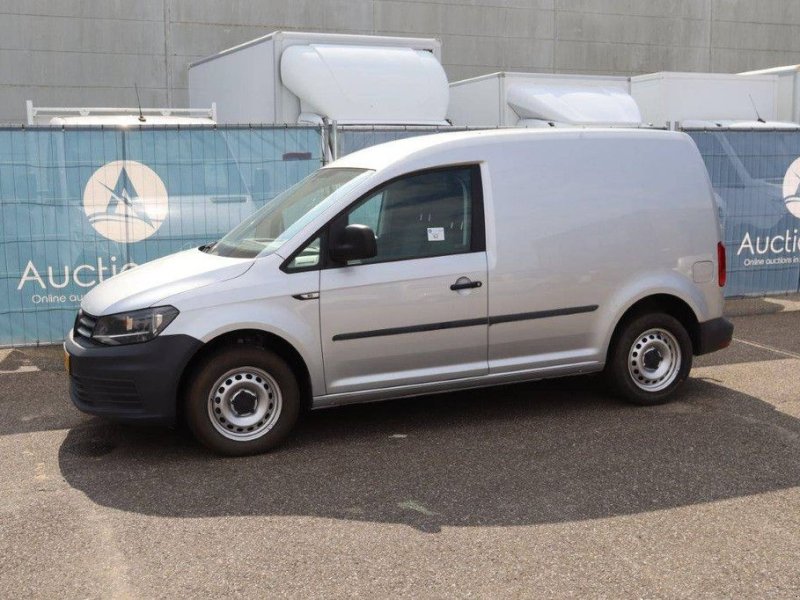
[
  {"x": 422, "y": 215},
  {"x": 368, "y": 213}
]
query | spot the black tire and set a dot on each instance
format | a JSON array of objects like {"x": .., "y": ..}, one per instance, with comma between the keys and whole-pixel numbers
[
  {"x": 204, "y": 379},
  {"x": 622, "y": 365}
]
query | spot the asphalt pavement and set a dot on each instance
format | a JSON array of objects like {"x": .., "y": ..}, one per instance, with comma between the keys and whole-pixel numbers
[{"x": 548, "y": 489}]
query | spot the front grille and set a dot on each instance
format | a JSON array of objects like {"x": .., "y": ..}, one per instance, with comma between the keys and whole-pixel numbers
[
  {"x": 84, "y": 325},
  {"x": 106, "y": 393}
]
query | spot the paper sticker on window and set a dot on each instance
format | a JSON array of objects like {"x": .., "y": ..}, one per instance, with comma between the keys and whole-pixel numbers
[{"x": 435, "y": 234}]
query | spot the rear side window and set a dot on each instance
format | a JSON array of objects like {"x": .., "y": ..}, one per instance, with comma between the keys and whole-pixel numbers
[{"x": 431, "y": 213}]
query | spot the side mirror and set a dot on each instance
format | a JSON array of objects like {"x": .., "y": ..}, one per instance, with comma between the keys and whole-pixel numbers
[{"x": 355, "y": 242}]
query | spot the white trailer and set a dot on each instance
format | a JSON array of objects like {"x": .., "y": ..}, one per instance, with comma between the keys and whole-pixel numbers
[
  {"x": 788, "y": 90},
  {"x": 508, "y": 99},
  {"x": 296, "y": 77},
  {"x": 676, "y": 100},
  {"x": 125, "y": 117}
]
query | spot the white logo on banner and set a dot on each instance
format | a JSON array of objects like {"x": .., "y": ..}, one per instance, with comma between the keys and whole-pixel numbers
[
  {"x": 125, "y": 201},
  {"x": 791, "y": 188}
]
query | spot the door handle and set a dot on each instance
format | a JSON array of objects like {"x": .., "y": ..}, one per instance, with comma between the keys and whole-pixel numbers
[{"x": 465, "y": 285}]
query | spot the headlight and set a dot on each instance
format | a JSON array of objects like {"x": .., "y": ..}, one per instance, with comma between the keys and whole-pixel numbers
[{"x": 133, "y": 327}]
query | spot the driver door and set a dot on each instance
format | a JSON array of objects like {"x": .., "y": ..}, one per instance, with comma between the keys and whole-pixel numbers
[{"x": 417, "y": 312}]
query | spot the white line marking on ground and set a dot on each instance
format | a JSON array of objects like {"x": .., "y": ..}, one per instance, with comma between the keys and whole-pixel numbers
[
  {"x": 414, "y": 505},
  {"x": 5, "y": 353},
  {"x": 770, "y": 348},
  {"x": 786, "y": 304},
  {"x": 22, "y": 369}
]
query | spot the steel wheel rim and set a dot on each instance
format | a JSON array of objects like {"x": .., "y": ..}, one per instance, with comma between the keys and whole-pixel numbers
[
  {"x": 654, "y": 360},
  {"x": 232, "y": 397}
]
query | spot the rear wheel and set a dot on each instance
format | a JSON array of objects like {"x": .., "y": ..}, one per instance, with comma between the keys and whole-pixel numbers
[
  {"x": 651, "y": 358},
  {"x": 242, "y": 400}
]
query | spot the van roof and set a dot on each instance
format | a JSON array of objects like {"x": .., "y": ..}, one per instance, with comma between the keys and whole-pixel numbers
[{"x": 382, "y": 155}]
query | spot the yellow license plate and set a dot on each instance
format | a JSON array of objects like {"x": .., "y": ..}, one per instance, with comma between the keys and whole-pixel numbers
[{"x": 66, "y": 361}]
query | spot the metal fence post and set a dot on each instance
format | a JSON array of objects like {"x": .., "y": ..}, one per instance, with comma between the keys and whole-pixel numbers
[
  {"x": 323, "y": 138},
  {"x": 334, "y": 140}
]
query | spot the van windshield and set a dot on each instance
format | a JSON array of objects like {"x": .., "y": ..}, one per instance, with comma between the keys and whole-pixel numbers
[{"x": 274, "y": 224}]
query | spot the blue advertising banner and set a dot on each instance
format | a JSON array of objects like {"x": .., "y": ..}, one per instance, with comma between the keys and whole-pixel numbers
[
  {"x": 756, "y": 178},
  {"x": 79, "y": 205}
]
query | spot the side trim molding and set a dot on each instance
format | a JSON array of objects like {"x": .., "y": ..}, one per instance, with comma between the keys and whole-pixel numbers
[
  {"x": 542, "y": 314},
  {"x": 411, "y": 329}
]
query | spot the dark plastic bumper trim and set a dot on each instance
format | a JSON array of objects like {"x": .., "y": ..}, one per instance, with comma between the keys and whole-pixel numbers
[
  {"x": 714, "y": 335},
  {"x": 153, "y": 369}
]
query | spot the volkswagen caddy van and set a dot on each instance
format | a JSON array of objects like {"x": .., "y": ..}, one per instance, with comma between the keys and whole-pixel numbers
[{"x": 424, "y": 265}]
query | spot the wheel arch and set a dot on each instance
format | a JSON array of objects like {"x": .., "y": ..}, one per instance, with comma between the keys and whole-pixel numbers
[
  {"x": 659, "y": 302},
  {"x": 253, "y": 337}
]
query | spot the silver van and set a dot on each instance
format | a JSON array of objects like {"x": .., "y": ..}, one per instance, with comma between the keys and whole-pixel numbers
[{"x": 424, "y": 265}]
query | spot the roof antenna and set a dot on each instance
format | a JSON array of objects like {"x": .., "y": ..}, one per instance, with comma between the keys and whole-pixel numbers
[
  {"x": 139, "y": 103},
  {"x": 755, "y": 108}
]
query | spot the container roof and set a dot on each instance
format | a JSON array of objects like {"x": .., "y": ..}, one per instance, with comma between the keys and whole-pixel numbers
[
  {"x": 309, "y": 37},
  {"x": 785, "y": 70},
  {"x": 738, "y": 125},
  {"x": 129, "y": 120},
  {"x": 367, "y": 84},
  {"x": 573, "y": 104}
]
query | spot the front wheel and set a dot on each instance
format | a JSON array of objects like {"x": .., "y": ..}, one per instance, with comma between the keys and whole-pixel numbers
[
  {"x": 242, "y": 400},
  {"x": 651, "y": 358}
]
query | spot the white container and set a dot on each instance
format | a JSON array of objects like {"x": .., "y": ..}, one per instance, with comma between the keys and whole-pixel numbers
[
  {"x": 124, "y": 117},
  {"x": 291, "y": 77},
  {"x": 667, "y": 99},
  {"x": 509, "y": 99},
  {"x": 788, "y": 90}
]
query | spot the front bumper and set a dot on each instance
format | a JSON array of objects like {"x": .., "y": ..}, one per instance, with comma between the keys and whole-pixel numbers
[
  {"x": 138, "y": 382},
  {"x": 714, "y": 335}
]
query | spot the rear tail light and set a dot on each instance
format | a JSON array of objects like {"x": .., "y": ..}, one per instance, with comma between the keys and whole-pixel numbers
[{"x": 722, "y": 272}]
